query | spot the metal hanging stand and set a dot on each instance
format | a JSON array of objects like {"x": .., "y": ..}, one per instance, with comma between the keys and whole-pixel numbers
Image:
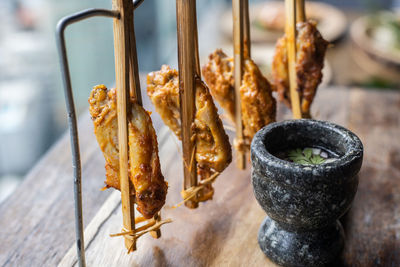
[{"x": 72, "y": 122}]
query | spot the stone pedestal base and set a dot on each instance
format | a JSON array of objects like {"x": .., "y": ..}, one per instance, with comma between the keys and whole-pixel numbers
[{"x": 306, "y": 248}]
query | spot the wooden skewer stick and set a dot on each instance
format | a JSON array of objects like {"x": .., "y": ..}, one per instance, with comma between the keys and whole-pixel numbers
[
  {"x": 156, "y": 233},
  {"x": 140, "y": 219},
  {"x": 290, "y": 30},
  {"x": 198, "y": 71},
  {"x": 185, "y": 13},
  {"x": 238, "y": 45},
  {"x": 122, "y": 55},
  {"x": 196, "y": 45},
  {"x": 246, "y": 30},
  {"x": 300, "y": 11},
  {"x": 135, "y": 92}
]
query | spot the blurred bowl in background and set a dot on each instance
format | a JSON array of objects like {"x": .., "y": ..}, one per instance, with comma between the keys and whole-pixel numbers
[
  {"x": 268, "y": 21},
  {"x": 376, "y": 44}
]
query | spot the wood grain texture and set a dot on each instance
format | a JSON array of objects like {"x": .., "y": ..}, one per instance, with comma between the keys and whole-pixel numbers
[
  {"x": 113, "y": 202},
  {"x": 373, "y": 224},
  {"x": 221, "y": 232},
  {"x": 38, "y": 228},
  {"x": 196, "y": 237}
]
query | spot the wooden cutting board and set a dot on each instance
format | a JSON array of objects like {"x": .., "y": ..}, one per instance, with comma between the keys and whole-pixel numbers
[{"x": 223, "y": 232}]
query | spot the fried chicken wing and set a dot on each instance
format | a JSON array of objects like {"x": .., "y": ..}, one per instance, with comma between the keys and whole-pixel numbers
[
  {"x": 218, "y": 74},
  {"x": 163, "y": 90},
  {"x": 258, "y": 104},
  {"x": 213, "y": 151},
  {"x": 145, "y": 175},
  {"x": 310, "y": 52},
  {"x": 145, "y": 169},
  {"x": 280, "y": 71},
  {"x": 212, "y": 143},
  {"x": 103, "y": 111}
]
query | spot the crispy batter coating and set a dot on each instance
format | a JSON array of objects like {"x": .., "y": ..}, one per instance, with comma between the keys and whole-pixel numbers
[
  {"x": 145, "y": 175},
  {"x": 103, "y": 111},
  {"x": 310, "y": 53},
  {"x": 218, "y": 74},
  {"x": 212, "y": 143},
  {"x": 280, "y": 71},
  {"x": 258, "y": 104},
  {"x": 213, "y": 151},
  {"x": 163, "y": 90}
]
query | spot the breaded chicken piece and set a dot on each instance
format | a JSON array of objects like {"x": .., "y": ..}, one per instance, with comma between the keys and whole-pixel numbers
[
  {"x": 145, "y": 175},
  {"x": 213, "y": 152},
  {"x": 218, "y": 75},
  {"x": 258, "y": 104},
  {"x": 310, "y": 53}
]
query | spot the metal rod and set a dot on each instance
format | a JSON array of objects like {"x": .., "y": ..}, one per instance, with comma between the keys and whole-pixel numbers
[
  {"x": 73, "y": 128},
  {"x": 137, "y": 3},
  {"x": 72, "y": 123}
]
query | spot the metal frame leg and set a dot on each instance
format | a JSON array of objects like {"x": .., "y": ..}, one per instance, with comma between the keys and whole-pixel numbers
[{"x": 72, "y": 122}]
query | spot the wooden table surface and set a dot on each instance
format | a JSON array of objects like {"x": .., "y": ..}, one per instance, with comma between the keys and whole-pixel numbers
[{"x": 37, "y": 221}]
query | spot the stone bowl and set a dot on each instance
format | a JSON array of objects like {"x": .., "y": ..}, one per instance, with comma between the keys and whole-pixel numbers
[{"x": 304, "y": 202}]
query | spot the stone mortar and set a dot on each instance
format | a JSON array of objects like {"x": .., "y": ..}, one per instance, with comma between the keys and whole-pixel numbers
[{"x": 304, "y": 202}]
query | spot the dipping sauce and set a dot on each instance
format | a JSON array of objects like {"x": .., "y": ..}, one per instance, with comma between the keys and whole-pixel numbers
[{"x": 307, "y": 155}]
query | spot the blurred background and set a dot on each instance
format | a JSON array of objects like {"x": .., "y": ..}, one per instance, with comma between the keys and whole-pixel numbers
[{"x": 365, "y": 36}]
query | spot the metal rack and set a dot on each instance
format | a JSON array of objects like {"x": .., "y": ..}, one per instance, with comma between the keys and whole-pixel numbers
[{"x": 72, "y": 122}]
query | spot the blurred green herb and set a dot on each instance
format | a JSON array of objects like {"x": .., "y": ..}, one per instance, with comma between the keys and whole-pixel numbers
[
  {"x": 388, "y": 23},
  {"x": 257, "y": 23},
  {"x": 305, "y": 156},
  {"x": 377, "y": 82}
]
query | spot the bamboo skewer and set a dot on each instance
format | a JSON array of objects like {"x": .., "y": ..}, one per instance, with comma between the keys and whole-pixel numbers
[
  {"x": 157, "y": 232},
  {"x": 135, "y": 92},
  {"x": 122, "y": 51},
  {"x": 246, "y": 30},
  {"x": 290, "y": 30},
  {"x": 185, "y": 12},
  {"x": 300, "y": 11},
  {"x": 238, "y": 44},
  {"x": 196, "y": 45},
  {"x": 148, "y": 228}
]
